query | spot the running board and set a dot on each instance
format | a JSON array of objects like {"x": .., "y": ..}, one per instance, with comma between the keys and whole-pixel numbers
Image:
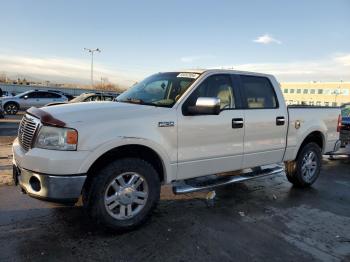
[{"x": 212, "y": 181}]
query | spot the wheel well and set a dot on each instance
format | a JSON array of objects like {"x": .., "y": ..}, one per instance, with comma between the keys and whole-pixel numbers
[
  {"x": 126, "y": 151},
  {"x": 315, "y": 137},
  {"x": 11, "y": 102}
]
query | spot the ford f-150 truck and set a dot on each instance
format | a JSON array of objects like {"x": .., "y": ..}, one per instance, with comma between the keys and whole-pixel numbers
[{"x": 189, "y": 129}]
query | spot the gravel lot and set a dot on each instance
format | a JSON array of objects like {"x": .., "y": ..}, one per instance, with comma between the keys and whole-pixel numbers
[{"x": 260, "y": 220}]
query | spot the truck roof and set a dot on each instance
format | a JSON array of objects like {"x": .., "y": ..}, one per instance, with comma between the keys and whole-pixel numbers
[{"x": 218, "y": 70}]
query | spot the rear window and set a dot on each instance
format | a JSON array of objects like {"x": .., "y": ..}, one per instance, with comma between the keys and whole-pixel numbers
[{"x": 259, "y": 92}]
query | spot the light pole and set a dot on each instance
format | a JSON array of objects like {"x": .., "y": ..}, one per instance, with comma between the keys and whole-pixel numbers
[
  {"x": 91, "y": 51},
  {"x": 338, "y": 91}
]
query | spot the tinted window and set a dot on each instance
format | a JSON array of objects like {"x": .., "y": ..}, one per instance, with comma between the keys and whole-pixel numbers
[
  {"x": 259, "y": 92},
  {"x": 43, "y": 95},
  {"x": 52, "y": 95},
  {"x": 32, "y": 95},
  {"x": 219, "y": 86}
]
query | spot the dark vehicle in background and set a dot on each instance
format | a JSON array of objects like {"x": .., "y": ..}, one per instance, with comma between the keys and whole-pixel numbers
[
  {"x": 345, "y": 127},
  {"x": 37, "y": 98},
  {"x": 6, "y": 93},
  {"x": 89, "y": 97}
]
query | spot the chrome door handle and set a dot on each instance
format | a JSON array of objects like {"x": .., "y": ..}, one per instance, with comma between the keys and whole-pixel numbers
[{"x": 237, "y": 122}]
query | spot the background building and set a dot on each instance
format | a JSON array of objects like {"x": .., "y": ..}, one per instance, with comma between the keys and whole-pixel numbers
[{"x": 317, "y": 93}]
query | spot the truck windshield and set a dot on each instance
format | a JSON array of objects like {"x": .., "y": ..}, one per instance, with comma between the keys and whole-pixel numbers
[{"x": 162, "y": 89}]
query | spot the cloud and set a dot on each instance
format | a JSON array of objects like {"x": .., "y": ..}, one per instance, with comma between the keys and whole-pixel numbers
[
  {"x": 335, "y": 67},
  {"x": 266, "y": 39},
  {"x": 343, "y": 59},
  {"x": 332, "y": 68},
  {"x": 61, "y": 69},
  {"x": 191, "y": 59}
]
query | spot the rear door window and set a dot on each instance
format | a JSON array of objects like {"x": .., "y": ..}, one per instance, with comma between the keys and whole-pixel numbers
[{"x": 259, "y": 92}]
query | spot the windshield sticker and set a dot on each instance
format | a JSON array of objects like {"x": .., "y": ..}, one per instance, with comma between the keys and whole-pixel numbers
[{"x": 188, "y": 75}]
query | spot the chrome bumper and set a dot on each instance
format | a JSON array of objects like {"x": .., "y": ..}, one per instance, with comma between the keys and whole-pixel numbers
[{"x": 49, "y": 187}]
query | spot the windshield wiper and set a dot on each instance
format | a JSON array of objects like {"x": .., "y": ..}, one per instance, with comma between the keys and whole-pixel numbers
[{"x": 136, "y": 101}]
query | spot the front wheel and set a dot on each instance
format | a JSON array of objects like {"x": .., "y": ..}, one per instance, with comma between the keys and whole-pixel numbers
[
  {"x": 123, "y": 194},
  {"x": 11, "y": 108},
  {"x": 304, "y": 171}
]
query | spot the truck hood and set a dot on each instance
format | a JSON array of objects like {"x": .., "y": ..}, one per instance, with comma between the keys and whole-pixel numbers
[{"x": 93, "y": 112}]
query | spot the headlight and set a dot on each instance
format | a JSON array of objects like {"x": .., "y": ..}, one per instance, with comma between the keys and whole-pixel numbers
[{"x": 56, "y": 138}]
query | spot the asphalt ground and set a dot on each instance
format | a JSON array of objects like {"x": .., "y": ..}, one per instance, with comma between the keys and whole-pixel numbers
[{"x": 260, "y": 220}]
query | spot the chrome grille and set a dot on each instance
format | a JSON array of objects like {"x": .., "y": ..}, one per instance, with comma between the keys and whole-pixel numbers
[{"x": 26, "y": 131}]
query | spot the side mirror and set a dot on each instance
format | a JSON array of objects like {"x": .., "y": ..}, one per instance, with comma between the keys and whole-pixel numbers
[
  {"x": 205, "y": 106},
  {"x": 25, "y": 97}
]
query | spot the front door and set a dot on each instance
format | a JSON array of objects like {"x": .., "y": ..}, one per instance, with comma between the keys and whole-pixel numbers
[
  {"x": 30, "y": 99},
  {"x": 209, "y": 144}
]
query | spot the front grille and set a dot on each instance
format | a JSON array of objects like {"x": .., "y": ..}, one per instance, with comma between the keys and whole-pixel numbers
[{"x": 26, "y": 131}]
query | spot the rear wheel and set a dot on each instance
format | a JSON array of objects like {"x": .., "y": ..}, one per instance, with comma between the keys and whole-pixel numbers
[
  {"x": 123, "y": 194},
  {"x": 11, "y": 108},
  {"x": 304, "y": 171}
]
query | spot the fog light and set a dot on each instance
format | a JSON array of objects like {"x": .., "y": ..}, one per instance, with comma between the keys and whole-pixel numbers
[{"x": 35, "y": 183}]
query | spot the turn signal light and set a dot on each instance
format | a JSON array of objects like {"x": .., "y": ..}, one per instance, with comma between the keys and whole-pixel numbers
[{"x": 72, "y": 137}]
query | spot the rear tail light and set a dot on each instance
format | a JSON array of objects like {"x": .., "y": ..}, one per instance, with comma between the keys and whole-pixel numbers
[{"x": 339, "y": 123}]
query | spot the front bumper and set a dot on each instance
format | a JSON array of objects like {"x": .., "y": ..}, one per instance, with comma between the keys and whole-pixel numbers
[{"x": 49, "y": 187}]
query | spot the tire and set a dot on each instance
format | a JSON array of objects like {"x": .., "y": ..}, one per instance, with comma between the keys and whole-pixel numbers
[
  {"x": 122, "y": 207},
  {"x": 310, "y": 157},
  {"x": 11, "y": 108}
]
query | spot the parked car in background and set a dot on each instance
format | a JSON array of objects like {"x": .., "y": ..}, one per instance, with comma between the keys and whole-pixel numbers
[
  {"x": 5, "y": 93},
  {"x": 25, "y": 100},
  {"x": 89, "y": 97},
  {"x": 345, "y": 126}
]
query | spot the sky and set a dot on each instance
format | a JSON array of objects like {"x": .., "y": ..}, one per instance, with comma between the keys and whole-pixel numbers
[{"x": 295, "y": 40}]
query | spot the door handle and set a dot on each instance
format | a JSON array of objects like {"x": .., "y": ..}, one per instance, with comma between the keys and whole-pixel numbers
[
  {"x": 280, "y": 121},
  {"x": 237, "y": 122}
]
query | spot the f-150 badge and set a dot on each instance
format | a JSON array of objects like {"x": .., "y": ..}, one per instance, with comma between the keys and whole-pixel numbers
[{"x": 166, "y": 123}]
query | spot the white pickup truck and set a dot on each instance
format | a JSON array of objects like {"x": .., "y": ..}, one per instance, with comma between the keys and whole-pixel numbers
[{"x": 188, "y": 129}]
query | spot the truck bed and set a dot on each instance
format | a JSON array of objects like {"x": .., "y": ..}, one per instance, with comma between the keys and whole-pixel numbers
[{"x": 303, "y": 120}]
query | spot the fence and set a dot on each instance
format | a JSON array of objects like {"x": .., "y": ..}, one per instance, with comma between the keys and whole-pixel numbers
[{"x": 12, "y": 88}]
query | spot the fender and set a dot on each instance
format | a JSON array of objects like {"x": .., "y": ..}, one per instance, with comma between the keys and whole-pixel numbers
[
  {"x": 321, "y": 129},
  {"x": 170, "y": 169}
]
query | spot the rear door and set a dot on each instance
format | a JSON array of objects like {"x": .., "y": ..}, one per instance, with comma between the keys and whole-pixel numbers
[
  {"x": 209, "y": 144},
  {"x": 265, "y": 122}
]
